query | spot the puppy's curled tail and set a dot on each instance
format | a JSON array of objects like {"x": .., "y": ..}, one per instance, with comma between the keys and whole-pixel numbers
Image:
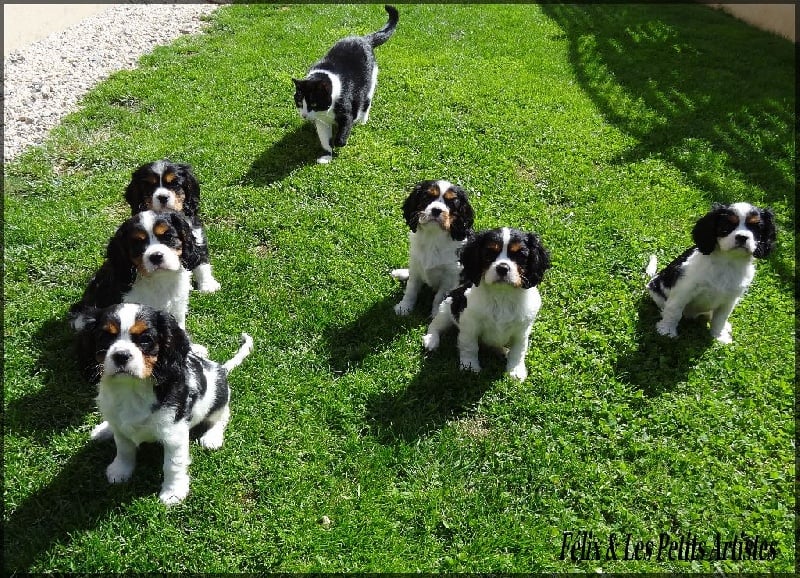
[
  {"x": 400, "y": 274},
  {"x": 652, "y": 267},
  {"x": 377, "y": 38},
  {"x": 244, "y": 351}
]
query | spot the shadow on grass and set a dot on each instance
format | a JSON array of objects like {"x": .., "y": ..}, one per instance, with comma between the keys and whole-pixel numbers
[
  {"x": 693, "y": 86},
  {"x": 65, "y": 398},
  {"x": 659, "y": 363},
  {"x": 75, "y": 501},
  {"x": 350, "y": 344},
  {"x": 298, "y": 147},
  {"x": 438, "y": 393}
]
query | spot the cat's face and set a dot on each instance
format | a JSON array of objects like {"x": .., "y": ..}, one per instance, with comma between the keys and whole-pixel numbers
[{"x": 312, "y": 95}]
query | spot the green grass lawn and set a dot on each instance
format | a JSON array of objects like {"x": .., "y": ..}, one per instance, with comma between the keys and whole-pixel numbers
[{"x": 608, "y": 130}]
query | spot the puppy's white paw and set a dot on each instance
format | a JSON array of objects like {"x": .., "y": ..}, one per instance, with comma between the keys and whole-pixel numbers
[
  {"x": 400, "y": 274},
  {"x": 175, "y": 493},
  {"x": 471, "y": 364},
  {"x": 209, "y": 286},
  {"x": 212, "y": 439},
  {"x": 519, "y": 372},
  {"x": 403, "y": 308},
  {"x": 667, "y": 329},
  {"x": 325, "y": 159},
  {"x": 119, "y": 471},
  {"x": 102, "y": 432},
  {"x": 430, "y": 341},
  {"x": 725, "y": 336}
]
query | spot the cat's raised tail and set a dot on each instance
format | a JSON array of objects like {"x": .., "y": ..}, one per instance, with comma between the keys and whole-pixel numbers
[{"x": 382, "y": 35}]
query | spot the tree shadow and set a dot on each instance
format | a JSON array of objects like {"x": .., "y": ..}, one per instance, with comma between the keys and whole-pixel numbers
[
  {"x": 438, "y": 393},
  {"x": 659, "y": 363},
  {"x": 686, "y": 82},
  {"x": 297, "y": 148},
  {"x": 65, "y": 398},
  {"x": 76, "y": 500}
]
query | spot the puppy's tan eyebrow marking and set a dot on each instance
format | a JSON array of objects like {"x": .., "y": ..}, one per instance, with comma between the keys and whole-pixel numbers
[
  {"x": 111, "y": 327},
  {"x": 753, "y": 220},
  {"x": 160, "y": 228},
  {"x": 139, "y": 236},
  {"x": 450, "y": 195},
  {"x": 138, "y": 327},
  {"x": 433, "y": 190},
  {"x": 169, "y": 177},
  {"x": 152, "y": 179},
  {"x": 734, "y": 219},
  {"x": 494, "y": 246},
  {"x": 514, "y": 247}
]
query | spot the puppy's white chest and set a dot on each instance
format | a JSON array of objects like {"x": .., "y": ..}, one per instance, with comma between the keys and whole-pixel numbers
[
  {"x": 500, "y": 320},
  {"x": 165, "y": 290},
  {"x": 130, "y": 411},
  {"x": 433, "y": 256}
]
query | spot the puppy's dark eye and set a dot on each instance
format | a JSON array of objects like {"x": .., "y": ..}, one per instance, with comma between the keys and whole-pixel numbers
[{"x": 144, "y": 340}]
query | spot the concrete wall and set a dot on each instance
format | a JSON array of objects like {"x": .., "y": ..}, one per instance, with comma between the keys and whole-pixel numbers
[
  {"x": 777, "y": 18},
  {"x": 27, "y": 23}
]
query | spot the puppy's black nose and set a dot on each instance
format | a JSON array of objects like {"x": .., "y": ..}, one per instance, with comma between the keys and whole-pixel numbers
[
  {"x": 157, "y": 258},
  {"x": 120, "y": 358},
  {"x": 741, "y": 239},
  {"x": 163, "y": 199},
  {"x": 502, "y": 270},
  {"x": 436, "y": 212}
]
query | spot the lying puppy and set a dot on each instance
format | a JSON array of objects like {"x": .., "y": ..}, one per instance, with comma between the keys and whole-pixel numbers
[
  {"x": 154, "y": 389},
  {"x": 708, "y": 279},
  {"x": 440, "y": 218},
  {"x": 498, "y": 302},
  {"x": 167, "y": 186},
  {"x": 148, "y": 261}
]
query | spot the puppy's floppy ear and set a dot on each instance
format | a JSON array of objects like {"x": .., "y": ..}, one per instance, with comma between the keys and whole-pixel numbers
[
  {"x": 767, "y": 234},
  {"x": 190, "y": 256},
  {"x": 86, "y": 344},
  {"x": 411, "y": 205},
  {"x": 704, "y": 232},
  {"x": 191, "y": 190},
  {"x": 173, "y": 347},
  {"x": 117, "y": 255},
  {"x": 461, "y": 225},
  {"x": 538, "y": 261},
  {"x": 471, "y": 259},
  {"x": 134, "y": 194}
]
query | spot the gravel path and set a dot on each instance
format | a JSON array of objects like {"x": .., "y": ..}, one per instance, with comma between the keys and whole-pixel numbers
[{"x": 44, "y": 81}]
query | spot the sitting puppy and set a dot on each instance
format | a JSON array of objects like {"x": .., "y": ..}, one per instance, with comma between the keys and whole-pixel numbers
[
  {"x": 708, "y": 279},
  {"x": 440, "y": 218},
  {"x": 154, "y": 389},
  {"x": 498, "y": 302},
  {"x": 164, "y": 185},
  {"x": 148, "y": 261}
]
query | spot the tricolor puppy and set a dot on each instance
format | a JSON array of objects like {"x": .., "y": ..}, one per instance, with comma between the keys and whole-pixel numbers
[
  {"x": 155, "y": 389},
  {"x": 440, "y": 218},
  {"x": 708, "y": 279},
  {"x": 167, "y": 186},
  {"x": 148, "y": 261},
  {"x": 498, "y": 301}
]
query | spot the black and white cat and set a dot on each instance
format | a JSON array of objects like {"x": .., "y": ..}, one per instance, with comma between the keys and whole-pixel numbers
[{"x": 338, "y": 89}]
